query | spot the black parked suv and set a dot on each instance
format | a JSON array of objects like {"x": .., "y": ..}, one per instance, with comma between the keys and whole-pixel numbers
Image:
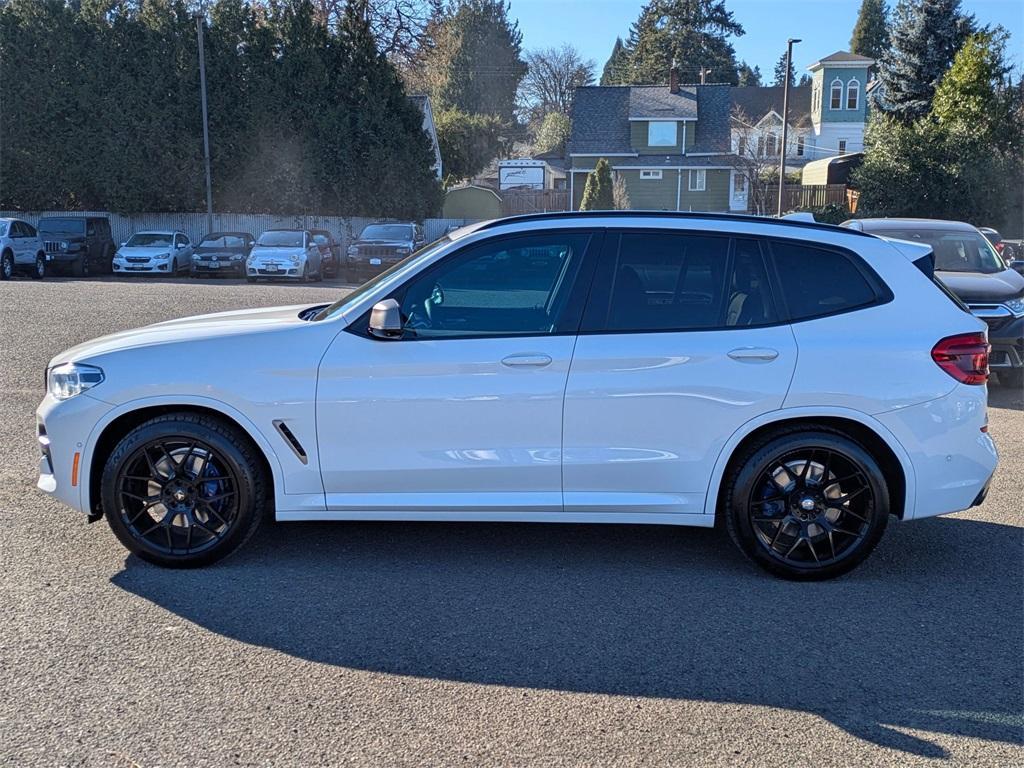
[
  {"x": 378, "y": 247},
  {"x": 79, "y": 244},
  {"x": 222, "y": 253},
  {"x": 968, "y": 264}
]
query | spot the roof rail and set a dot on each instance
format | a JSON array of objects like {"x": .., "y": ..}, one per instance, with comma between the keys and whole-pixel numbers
[{"x": 744, "y": 217}]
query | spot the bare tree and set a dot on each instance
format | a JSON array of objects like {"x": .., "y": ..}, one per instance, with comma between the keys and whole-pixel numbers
[
  {"x": 399, "y": 26},
  {"x": 552, "y": 76},
  {"x": 755, "y": 155}
]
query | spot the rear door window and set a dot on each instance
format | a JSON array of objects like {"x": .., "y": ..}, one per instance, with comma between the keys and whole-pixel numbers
[{"x": 818, "y": 281}]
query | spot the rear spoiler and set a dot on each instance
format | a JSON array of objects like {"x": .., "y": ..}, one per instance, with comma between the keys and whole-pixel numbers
[{"x": 920, "y": 255}]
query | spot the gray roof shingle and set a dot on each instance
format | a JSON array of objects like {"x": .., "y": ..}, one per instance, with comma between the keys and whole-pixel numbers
[
  {"x": 659, "y": 102},
  {"x": 758, "y": 101},
  {"x": 600, "y": 120}
]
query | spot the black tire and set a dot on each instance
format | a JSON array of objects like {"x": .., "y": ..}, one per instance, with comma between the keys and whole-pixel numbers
[
  {"x": 306, "y": 276},
  {"x": 765, "y": 498},
  {"x": 39, "y": 268},
  {"x": 1013, "y": 378},
  {"x": 169, "y": 506},
  {"x": 6, "y": 265},
  {"x": 174, "y": 267},
  {"x": 250, "y": 279}
]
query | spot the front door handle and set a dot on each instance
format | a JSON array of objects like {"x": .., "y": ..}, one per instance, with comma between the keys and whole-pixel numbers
[
  {"x": 526, "y": 361},
  {"x": 754, "y": 354}
]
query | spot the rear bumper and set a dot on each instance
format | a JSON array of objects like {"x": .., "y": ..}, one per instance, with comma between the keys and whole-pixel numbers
[{"x": 952, "y": 458}]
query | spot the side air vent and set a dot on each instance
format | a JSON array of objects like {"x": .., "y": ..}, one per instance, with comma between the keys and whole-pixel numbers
[{"x": 291, "y": 439}]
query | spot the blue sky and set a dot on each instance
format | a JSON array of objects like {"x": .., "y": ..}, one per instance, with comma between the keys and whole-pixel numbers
[{"x": 823, "y": 25}]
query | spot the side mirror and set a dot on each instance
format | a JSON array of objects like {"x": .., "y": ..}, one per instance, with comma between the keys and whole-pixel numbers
[
  {"x": 386, "y": 319},
  {"x": 179, "y": 246}
]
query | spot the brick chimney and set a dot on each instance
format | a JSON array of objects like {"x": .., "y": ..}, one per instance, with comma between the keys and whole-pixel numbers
[{"x": 673, "y": 78}]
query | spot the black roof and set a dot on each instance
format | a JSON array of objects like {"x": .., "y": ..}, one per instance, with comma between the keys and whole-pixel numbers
[
  {"x": 633, "y": 214},
  {"x": 757, "y": 101}
]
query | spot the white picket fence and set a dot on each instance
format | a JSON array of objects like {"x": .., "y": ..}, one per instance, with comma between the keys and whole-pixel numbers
[{"x": 194, "y": 225}]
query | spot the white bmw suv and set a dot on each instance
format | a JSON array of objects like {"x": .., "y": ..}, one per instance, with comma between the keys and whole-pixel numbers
[{"x": 799, "y": 382}]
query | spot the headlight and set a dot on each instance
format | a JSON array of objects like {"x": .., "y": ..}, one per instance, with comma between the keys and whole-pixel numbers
[
  {"x": 70, "y": 379},
  {"x": 1016, "y": 306},
  {"x": 295, "y": 258},
  {"x": 63, "y": 245},
  {"x": 237, "y": 256},
  {"x": 162, "y": 256},
  {"x": 353, "y": 250},
  {"x": 402, "y": 251}
]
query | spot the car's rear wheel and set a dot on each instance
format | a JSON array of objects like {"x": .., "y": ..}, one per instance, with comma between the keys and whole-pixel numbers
[
  {"x": 6, "y": 265},
  {"x": 39, "y": 270},
  {"x": 183, "y": 490},
  {"x": 806, "y": 504}
]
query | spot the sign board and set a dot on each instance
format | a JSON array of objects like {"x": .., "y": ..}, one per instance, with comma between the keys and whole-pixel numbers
[{"x": 531, "y": 177}]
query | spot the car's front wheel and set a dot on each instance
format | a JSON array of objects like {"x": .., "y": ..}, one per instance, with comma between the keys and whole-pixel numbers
[
  {"x": 183, "y": 490},
  {"x": 39, "y": 270},
  {"x": 6, "y": 265},
  {"x": 806, "y": 504}
]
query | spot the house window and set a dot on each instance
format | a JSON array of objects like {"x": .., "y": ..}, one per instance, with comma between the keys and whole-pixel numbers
[
  {"x": 661, "y": 133},
  {"x": 837, "y": 94},
  {"x": 772, "y": 144},
  {"x": 853, "y": 94},
  {"x": 760, "y": 146},
  {"x": 650, "y": 174},
  {"x": 739, "y": 183},
  {"x": 698, "y": 180},
  {"x": 741, "y": 145},
  {"x": 842, "y": 146},
  {"x": 799, "y": 146}
]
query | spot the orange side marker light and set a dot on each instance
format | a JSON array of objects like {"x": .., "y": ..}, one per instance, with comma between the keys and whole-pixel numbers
[{"x": 74, "y": 470}]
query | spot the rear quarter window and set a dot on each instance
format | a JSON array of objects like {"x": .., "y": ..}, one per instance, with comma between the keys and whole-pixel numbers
[{"x": 819, "y": 281}]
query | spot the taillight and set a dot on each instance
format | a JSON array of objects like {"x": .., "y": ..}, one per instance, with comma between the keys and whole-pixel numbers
[{"x": 964, "y": 357}]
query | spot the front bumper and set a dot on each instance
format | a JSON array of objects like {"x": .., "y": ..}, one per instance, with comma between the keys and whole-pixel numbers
[
  {"x": 63, "y": 430},
  {"x": 1007, "y": 345},
  {"x": 65, "y": 257},
  {"x": 275, "y": 269},
  {"x": 221, "y": 266},
  {"x": 141, "y": 267}
]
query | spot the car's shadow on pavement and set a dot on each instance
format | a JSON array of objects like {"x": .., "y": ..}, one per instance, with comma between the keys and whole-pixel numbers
[{"x": 923, "y": 636}]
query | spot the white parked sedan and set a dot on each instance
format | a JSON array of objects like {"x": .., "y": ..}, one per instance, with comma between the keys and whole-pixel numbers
[
  {"x": 21, "y": 250},
  {"x": 155, "y": 252},
  {"x": 797, "y": 381},
  {"x": 291, "y": 254}
]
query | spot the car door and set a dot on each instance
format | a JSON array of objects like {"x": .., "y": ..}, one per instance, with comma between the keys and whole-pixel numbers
[
  {"x": 462, "y": 415},
  {"x": 20, "y": 241},
  {"x": 183, "y": 250},
  {"x": 680, "y": 345}
]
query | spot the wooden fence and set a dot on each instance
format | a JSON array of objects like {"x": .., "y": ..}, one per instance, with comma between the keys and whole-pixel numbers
[
  {"x": 797, "y": 196},
  {"x": 518, "y": 201}
]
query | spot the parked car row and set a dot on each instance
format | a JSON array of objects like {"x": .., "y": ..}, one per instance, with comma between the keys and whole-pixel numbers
[{"x": 82, "y": 245}]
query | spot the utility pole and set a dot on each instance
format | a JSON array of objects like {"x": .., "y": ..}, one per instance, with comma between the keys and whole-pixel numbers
[
  {"x": 785, "y": 121},
  {"x": 200, "y": 20}
]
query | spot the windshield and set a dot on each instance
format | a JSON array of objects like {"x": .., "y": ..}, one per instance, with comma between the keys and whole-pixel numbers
[
  {"x": 222, "y": 241},
  {"x": 387, "y": 232},
  {"x": 70, "y": 226},
  {"x": 150, "y": 240},
  {"x": 340, "y": 305},
  {"x": 954, "y": 251},
  {"x": 279, "y": 238}
]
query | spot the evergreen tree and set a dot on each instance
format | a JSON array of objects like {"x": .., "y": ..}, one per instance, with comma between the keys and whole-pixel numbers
[
  {"x": 870, "y": 33},
  {"x": 747, "y": 75},
  {"x": 943, "y": 166},
  {"x": 553, "y": 133},
  {"x": 599, "y": 194},
  {"x": 478, "y": 59},
  {"x": 468, "y": 142},
  {"x": 923, "y": 39},
  {"x": 779, "y": 75},
  {"x": 693, "y": 33},
  {"x": 617, "y": 65}
]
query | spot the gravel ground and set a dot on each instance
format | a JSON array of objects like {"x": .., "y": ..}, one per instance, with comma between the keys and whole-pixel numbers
[{"x": 419, "y": 644}]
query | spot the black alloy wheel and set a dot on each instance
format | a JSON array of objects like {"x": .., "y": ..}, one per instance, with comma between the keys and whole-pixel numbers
[
  {"x": 808, "y": 505},
  {"x": 6, "y": 266},
  {"x": 39, "y": 271},
  {"x": 183, "y": 490}
]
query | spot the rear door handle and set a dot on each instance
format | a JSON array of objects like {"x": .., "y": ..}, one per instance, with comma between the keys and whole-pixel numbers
[
  {"x": 526, "y": 361},
  {"x": 754, "y": 354}
]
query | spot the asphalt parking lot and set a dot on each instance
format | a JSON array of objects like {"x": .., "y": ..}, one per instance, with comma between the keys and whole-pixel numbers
[{"x": 436, "y": 644}]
